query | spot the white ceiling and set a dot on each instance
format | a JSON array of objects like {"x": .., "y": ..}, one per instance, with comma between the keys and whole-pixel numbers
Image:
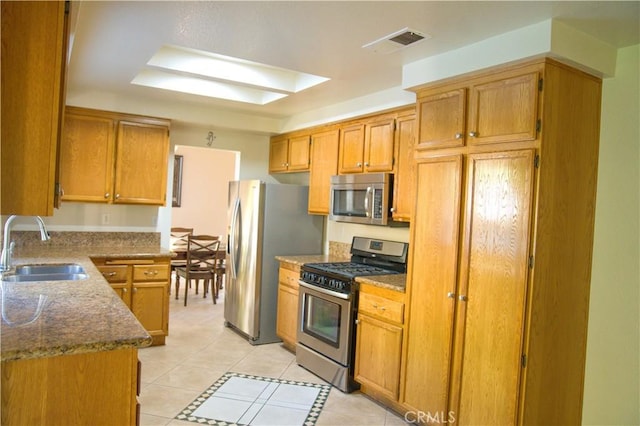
[{"x": 114, "y": 40}]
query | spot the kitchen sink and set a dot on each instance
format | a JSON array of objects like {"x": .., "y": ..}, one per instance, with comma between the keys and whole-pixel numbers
[{"x": 57, "y": 272}]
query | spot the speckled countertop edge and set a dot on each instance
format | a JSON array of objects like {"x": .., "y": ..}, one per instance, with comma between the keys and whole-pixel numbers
[{"x": 75, "y": 316}]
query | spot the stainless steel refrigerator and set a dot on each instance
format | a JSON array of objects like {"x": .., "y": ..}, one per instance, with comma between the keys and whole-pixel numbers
[{"x": 264, "y": 220}]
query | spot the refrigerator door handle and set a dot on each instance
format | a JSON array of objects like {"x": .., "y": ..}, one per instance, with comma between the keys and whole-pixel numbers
[{"x": 233, "y": 248}]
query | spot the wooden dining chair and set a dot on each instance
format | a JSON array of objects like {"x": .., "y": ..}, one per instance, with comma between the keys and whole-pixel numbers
[
  {"x": 219, "y": 272},
  {"x": 201, "y": 263},
  {"x": 178, "y": 241}
]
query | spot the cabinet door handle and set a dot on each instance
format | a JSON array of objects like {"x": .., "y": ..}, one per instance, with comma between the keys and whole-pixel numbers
[
  {"x": 107, "y": 195},
  {"x": 463, "y": 298},
  {"x": 458, "y": 135},
  {"x": 124, "y": 290},
  {"x": 473, "y": 134},
  {"x": 366, "y": 164},
  {"x": 358, "y": 164},
  {"x": 451, "y": 295},
  {"x": 135, "y": 290},
  {"x": 117, "y": 196}
]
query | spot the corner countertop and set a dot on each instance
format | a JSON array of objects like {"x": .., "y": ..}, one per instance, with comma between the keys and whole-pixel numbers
[
  {"x": 396, "y": 282},
  {"x": 52, "y": 318}
]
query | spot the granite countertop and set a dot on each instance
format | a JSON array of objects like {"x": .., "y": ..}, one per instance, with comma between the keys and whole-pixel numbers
[
  {"x": 45, "y": 319},
  {"x": 394, "y": 282}
]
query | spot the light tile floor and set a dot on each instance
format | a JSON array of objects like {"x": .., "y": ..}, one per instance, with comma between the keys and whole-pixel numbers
[{"x": 200, "y": 349}]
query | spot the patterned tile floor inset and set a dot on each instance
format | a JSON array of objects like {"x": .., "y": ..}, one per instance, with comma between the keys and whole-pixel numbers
[{"x": 243, "y": 399}]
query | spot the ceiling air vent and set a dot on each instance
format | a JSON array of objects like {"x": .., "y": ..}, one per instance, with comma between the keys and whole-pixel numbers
[{"x": 396, "y": 41}]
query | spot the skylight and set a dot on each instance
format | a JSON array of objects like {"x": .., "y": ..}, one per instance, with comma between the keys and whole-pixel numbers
[{"x": 208, "y": 74}]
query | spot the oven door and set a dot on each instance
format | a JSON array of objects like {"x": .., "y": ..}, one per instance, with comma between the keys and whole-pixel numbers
[{"x": 325, "y": 322}]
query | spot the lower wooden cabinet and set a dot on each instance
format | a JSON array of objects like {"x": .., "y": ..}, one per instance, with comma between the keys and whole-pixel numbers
[
  {"x": 96, "y": 388},
  {"x": 143, "y": 285},
  {"x": 287, "y": 317},
  {"x": 380, "y": 330}
]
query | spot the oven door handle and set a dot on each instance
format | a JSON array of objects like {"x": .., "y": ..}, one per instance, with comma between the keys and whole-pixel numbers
[{"x": 325, "y": 291}]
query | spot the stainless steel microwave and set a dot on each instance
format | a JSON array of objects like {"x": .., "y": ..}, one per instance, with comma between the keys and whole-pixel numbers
[{"x": 361, "y": 198}]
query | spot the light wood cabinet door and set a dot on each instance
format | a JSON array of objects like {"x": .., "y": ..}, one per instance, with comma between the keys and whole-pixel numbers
[
  {"x": 442, "y": 119},
  {"x": 278, "y": 155},
  {"x": 298, "y": 159},
  {"x": 493, "y": 284},
  {"x": 351, "y": 150},
  {"x": 504, "y": 110},
  {"x": 378, "y": 146},
  {"x": 287, "y": 313},
  {"x": 34, "y": 47},
  {"x": 87, "y": 158},
  {"x": 148, "y": 300},
  {"x": 433, "y": 275},
  {"x": 324, "y": 164},
  {"x": 378, "y": 348},
  {"x": 403, "y": 184},
  {"x": 142, "y": 154}
]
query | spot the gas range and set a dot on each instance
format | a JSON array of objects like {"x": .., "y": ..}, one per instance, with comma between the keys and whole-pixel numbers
[{"x": 368, "y": 257}]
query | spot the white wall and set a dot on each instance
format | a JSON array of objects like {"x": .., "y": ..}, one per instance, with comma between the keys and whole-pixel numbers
[
  {"x": 612, "y": 384},
  {"x": 205, "y": 181}
]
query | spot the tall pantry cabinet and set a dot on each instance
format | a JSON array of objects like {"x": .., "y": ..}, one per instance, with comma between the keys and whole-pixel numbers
[{"x": 502, "y": 239}]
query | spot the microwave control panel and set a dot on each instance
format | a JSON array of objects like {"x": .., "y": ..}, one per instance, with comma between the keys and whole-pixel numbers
[{"x": 377, "y": 204}]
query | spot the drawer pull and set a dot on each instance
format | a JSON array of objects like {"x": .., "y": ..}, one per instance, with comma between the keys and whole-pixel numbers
[
  {"x": 150, "y": 272},
  {"x": 109, "y": 274}
]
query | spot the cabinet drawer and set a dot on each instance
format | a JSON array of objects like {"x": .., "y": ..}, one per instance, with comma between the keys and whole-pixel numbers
[
  {"x": 289, "y": 277},
  {"x": 381, "y": 308},
  {"x": 151, "y": 272},
  {"x": 114, "y": 274}
]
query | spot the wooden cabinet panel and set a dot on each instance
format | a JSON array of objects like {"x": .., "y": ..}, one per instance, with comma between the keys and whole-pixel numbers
[
  {"x": 433, "y": 277},
  {"x": 378, "y": 146},
  {"x": 95, "y": 388},
  {"x": 324, "y": 164},
  {"x": 143, "y": 285},
  {"x": 86, "y": 158},
  {"x": 289, "y": 154},
  {"x": 114, "y": 158},
  {"x": 351, "y": 154},
  {"x": 287, "y": 314},
  {"x": 382, "y": 308},
  {"x": 403, "y": 182},
  {"x": 278, "y": 155},
  {"x": 34, "y": 51},
  {"x": 490, "y": 315},
  {"x": 504, "y": 110},
  {"x": 299, "y": 153},
  {"x": 141, "y": 163},
  {"x": 442, "y": 119},
  {"x": 378, "y": 348}
]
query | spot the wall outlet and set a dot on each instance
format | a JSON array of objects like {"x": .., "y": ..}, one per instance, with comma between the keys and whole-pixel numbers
[{"x": 105, "y": 218}]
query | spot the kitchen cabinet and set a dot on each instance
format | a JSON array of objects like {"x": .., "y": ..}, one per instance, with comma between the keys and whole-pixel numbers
[
  {"x": 94, "y": 388},
  {"x": 324, "y": 164},
  {"x": 287, "y": 315},
  {"x": 143, "y": 285},
  {"x": 501, "y": 245},
  {"x": 403, "y": 192},
  {"x": 289, "y": 154},
  {"x": 379, "y": 341},
  {"x": 367, "y": 147},
  {"x": 499, "y": 110},
  {"x": 34, "y": 54},
  {"x": 114, "y": 158}
]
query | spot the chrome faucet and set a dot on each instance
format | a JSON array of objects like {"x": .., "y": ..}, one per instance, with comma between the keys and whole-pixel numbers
[{"x": 5, "y": 258}]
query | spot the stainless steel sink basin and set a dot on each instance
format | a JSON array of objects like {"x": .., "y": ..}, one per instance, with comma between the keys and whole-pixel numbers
[
  {"x": 57, "y": 272},
  {"x": 61, "y": 268}
]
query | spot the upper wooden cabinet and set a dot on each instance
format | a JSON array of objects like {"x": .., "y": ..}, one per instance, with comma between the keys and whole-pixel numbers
[
  {"x": 403, "y": 183},
  {"x": 34, "y": 50},
  {"x": 367, "y": 147},
  {"x": 289, "y": 154},
  {"x": 324, "y": 164},
  {"x": 487, "y": 110},
  {"x": 114, "y": 158}
]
